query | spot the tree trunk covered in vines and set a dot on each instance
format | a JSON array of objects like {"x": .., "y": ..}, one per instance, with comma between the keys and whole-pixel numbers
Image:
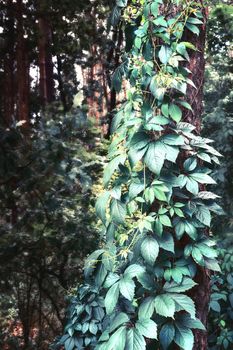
[{"x": 201, "y": 293}]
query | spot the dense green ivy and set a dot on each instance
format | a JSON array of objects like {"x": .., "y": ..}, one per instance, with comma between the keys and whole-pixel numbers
[{"x": 137, "y": 283}]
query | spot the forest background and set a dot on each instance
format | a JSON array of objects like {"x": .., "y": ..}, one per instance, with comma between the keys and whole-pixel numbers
[{"x": 57, "y": 61}]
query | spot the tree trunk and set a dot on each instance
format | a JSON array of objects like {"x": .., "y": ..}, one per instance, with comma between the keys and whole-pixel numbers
[
  {"x": 9, "y": 60},
  {"x": 22, "y": 67},
  {"x": 45, "y": 58},
  {"x": 200, "y": 294}
]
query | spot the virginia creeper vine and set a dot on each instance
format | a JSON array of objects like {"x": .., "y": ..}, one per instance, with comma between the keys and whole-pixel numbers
[{"x": 155, "y": 209}]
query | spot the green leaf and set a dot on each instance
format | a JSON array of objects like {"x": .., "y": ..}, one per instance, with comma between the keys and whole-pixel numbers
[
  {"x": 165, "y": 220},
  {"x": 166, "y": 242},
  {"x": 202, "y": 178},
  {"x": 121, "y": 3},
  {"x": 146, "y": 309},
  {"x": 187, "y": 321},
  {"x": 112, "y": 167},
  {"x": 164, "y": 54},
  {"x": 117, "y": 340},
  {"x": 184, "y": 337},
  {"x": 111, "y": 279},
  {"x": 212, "y": 264},
  {"x": 118, "y": 211},
  {"x": 154, "y": 158},
  {"x": 120, "y": 319},
  {"x": 127, "y": 287},
  {"x": 134, "y": 270},
  {"x": 167, "y": 335},
  {"x": 192, "y": 185},
  {"x": 183, "y": 302},
  {"x": 186, "y": 284},
  {"x": 101, "y": 205},
  {"x": 155, "y": 9},
  {"x": 111, "y": 298},
  {"x": 150, "y": 250},
  {"x": 175, "y": 112},
  {"x": 173, "y": 140},
  {"x": 165, "y": 305},
  {"x": 203, "y": 215},
  {"x": 135, "y": 340},
  {"x": 194, "y": 29},
  {"x": 147, "y": 327}
]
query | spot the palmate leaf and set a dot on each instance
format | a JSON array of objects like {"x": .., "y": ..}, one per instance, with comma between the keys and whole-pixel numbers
[
  {"x": 186, "y": 284},
  {"x": 135, "y": 340},
  {"x": 118, "y": 211},
  {"x": 147, "y": 328},
  {"x": 146, "y": 309},
  {"x": 127, "y": 287},
  {"x": 101, "y": 205},
  {"x": 150, "y": 250},
  {"x": 111, "y": 298},
  {"x": 117, "y": 340},
  {"x": 184, "y": 337},
  {"x": 175, "y": 112},
  {"x": 183, "y": 302},
  {"x": 165, "y": 305},
  {"x": 166, "y": 335},
  {"x": 155, "y": 157},
  {"x": 112, "y": 167},
  {"x": 165, "y": 54},
  {"x": 119, "y": 320}
]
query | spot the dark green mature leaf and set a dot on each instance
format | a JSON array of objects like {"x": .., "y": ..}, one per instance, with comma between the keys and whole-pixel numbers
[
  {"x": 101, "y": 205},
  {"x": 165, "y": 305},
  {"x": 112, "y": 167},
  {"x": 150, "y": 250},
  {"x": 111, "y": 298},
  {"x": 184, "y": 337},
  {"x": 118, "y": 211},
  {"x": 166, "y": 335}
]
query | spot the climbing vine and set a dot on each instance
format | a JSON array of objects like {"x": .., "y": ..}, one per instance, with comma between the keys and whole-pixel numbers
[{"x": 155, "y": 209}]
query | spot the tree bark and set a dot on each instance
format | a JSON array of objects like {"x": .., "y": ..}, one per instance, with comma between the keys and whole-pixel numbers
[
  {"x": 45, "y": 57},
  {"x": 9, "y": 59},
  {"x": 22, "y": 67},
  {"x": 201, "y": 293}
]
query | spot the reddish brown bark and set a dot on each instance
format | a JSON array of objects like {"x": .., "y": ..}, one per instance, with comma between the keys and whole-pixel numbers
[
  {"x": 9, "y": 66},
  {"x": 23, "y": 66},
  {"x": 200, "y": 294},
  {"x": 45, "y": 58}
]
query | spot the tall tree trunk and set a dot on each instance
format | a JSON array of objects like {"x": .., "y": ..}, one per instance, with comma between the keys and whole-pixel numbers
[
  {"x": 22, "y": 67},
  {"x": 9, "y": 60},
  {"x": 45, "y": 57},
  {"x": 200, "y": 294}
]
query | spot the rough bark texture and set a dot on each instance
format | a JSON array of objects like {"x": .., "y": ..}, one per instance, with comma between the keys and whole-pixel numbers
[
  {"x": 45, "y": 59},
  {"x": 22, "y": 60},
  {"x": 9, "y": 60},
  {"x": 200, "y": 294}
]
